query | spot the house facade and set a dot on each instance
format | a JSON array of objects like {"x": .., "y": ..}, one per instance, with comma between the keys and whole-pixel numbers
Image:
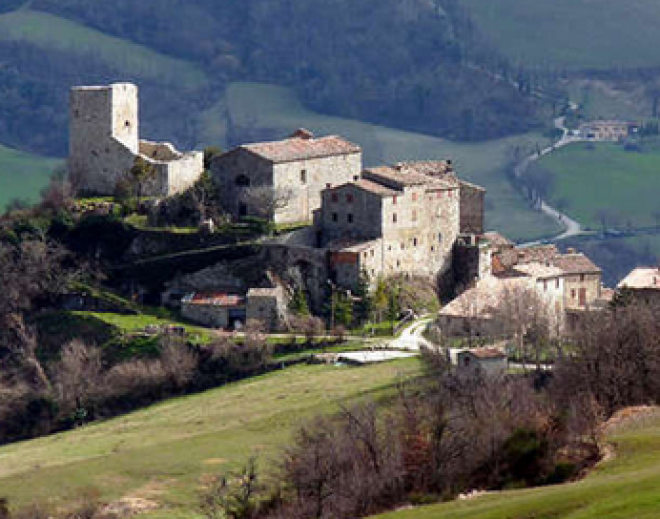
[{"x": 282, "y": 180}]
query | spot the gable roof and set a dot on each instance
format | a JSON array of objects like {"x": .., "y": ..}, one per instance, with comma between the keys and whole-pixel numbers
[
  {"x": 484, "y": 353},
  {"x": 575, "y": 263},
  {"x": 301, "y": 146},
  {"x": 642, "y": 278}
]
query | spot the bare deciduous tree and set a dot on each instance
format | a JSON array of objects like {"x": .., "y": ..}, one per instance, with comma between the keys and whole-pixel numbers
[{"x": 264, "y": 201}]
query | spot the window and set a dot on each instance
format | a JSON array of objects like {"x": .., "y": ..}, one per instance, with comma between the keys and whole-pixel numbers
[
  {"x": 127, "y": 124},
  {"x": 303, "y": 176},
  {"x": 394, "y": 200},
  {"x": 432, "y": 248},
  {"x": 414, "y": 242},
  {"x": 349, "y": 199},
  {"x": 394, "y": 218},
  {"x": 335, "y": 198},
  {"x": 403, "y": 246},
  {"x": 545, "y": 286},
  {"x": 557, "y": 283},
  {"x": 573, "y": 294},
  {"x": 398, "y": 263},
  {"x": 439, "y": 237},
  {"x": 242, "y": 181},
  {"x": 335, "y": 217},
  {"x": 414, "y": 197},
  {"x": 414, "y": 216},
  {"x": 349, "y": 218},
  {"x": 581, "y": 277},
  {"x": 328, "y": 186},
  {"x": 372, "y": 253}
]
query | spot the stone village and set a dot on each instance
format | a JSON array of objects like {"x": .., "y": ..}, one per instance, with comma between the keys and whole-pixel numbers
[{"x": 410, "y": 219}]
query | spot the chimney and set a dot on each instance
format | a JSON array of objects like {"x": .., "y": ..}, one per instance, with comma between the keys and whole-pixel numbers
[
  {"x": 571, "y": 250},
  {"x": 303, "y": 133}
]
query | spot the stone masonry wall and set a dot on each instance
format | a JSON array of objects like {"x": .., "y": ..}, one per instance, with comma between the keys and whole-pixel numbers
[
  {"x": 349, "y": 212},
  {"x": 307, "y": 178},
  {"x": 472, "y": 209}
]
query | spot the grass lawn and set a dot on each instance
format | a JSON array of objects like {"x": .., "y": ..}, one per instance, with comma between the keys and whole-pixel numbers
[
  {"x": 606, "y": 178},
  {"x": 162, "y": 452},
  {"x": 22, "y": 175},
  {"x": 51, "y": 32},
  {"x": 602, "y": 34},
  {"x": 626, "y": 487},
  {"x": 278, "y": 110}
]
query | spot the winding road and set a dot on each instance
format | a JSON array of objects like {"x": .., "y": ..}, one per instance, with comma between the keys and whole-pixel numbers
[{"x": 571, "y": 227}]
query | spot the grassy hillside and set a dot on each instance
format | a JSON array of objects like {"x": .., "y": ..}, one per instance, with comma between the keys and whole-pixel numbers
[
  {"x": 52, "y": 33},
  {"x": 605, "y": 177},
  {"x": 602, "y": 34},
  {"x": 261, "y": 111},
  {"x": 623, "y": 488},
  {"x": 162, "y": 453},
  {"x": 22, "y": 175}
]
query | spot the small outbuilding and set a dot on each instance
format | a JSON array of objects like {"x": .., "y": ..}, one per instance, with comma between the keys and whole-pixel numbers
[{"x": 490, "y": 361}]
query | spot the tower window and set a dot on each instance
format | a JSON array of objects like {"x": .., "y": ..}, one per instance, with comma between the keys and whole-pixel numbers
[
  {"x": 349, "y": 218},
  {"x": 334, "y": 217},
  {"x": 303, "y": 176},
  {"x": 394, "y": 218},
  {"x": 414, "y": 242},
  {"x": 127, "y": 124}
]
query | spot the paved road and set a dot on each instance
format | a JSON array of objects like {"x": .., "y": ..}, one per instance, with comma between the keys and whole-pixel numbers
[
  {"x": 571, "y": 227},
  {"x": 411, "y": 337}
]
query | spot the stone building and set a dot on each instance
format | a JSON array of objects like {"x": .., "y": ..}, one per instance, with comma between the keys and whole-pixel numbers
[
  {"x": 104, "y": 142},
  {"x": 267, "y": 305},
  {"x": 487, "y": 361},
  {"x": 643, "y": 284},
  {"x": 283, "y": 180},
  {"x": 215, "y": 309},
  {"x": 403, "y": 219}
]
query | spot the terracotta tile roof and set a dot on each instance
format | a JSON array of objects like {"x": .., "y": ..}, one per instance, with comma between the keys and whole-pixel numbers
[
  {"x": 642, "y": 278},
  {"x": 375, "y": 187},
  {"x": 301, "y": 147},
  {"x": 215, "y": 299},
  {"x": 575, "y": 263},
  {"x": 437, "y": 174}
]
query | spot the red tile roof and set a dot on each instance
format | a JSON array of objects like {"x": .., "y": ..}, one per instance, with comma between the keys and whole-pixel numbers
[
  {"x": 300, "y": 147},
  {"x": 215, "y": 299},
  {"x": 436, "y": 174},
  {"x": 487, "y": 353}
]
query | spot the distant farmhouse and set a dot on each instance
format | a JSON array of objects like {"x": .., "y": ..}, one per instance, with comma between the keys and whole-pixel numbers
[
  {"x": 104, "y": 143},
  {"x": 607, "y": 131},
  {"x": 283, "y": 180}
]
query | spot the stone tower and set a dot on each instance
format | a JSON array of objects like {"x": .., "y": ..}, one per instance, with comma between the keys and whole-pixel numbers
[{"x": 104, "y": 135}]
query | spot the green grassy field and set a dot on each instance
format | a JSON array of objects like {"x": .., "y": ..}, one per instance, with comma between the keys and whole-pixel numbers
[
  {"x": 262, "y": 106},
  {"x": 623, "y": 488},
  {"x": 606, "y": 178},
  {"x": 163, "y": 452},
  {"x": 602, "y": 34},
  {"x": 50, "y": 32},
  {"x": 23, "y": 175}
]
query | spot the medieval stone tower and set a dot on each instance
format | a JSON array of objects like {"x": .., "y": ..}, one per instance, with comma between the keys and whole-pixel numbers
[
  {"x": 104, "y": 141},
  {"x": 103, "y": 120}
]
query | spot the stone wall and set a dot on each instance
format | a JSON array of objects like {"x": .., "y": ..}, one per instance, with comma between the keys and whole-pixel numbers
[
  {"x": 308, "y": 178},
  {"x": 267, "y": 305},
  {"x": 472, "y": 209},
  {"x": 349, "y": 212},
  {"x": 590, "y": 284},
  {"x": 104, "y": 142},
  {"x": 303, "y": 181}
]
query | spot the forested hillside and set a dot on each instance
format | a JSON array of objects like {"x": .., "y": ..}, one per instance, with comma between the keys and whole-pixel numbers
[{"x": 416, "y": 64}]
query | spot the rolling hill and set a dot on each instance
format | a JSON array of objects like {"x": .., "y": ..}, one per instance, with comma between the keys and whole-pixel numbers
[{"x": 23, "y": 176}]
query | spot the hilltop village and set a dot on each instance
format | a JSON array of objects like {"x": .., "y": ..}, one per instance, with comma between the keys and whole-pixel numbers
[{"x": 411, "y": 220}]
